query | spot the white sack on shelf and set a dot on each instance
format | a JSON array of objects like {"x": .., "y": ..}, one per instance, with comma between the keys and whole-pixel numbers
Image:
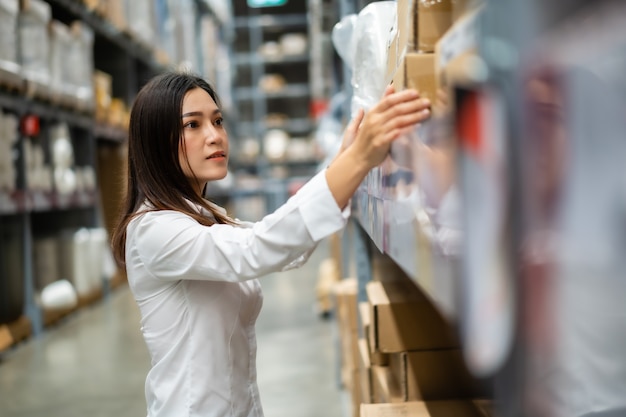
[
  {"x": 374, "y": 29},
  {"x": 59, "y": 295},
  {"x": 8, "y": 35},
  {"x": 34, "y": 41}
]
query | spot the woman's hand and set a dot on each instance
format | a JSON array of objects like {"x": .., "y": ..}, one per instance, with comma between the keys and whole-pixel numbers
[
  {"x": 368, "y": 138},
  {"x": 385, "y": 122}
]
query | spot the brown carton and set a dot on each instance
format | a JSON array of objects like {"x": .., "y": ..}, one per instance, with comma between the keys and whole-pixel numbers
[
  {"x": 434, "y": 17},
  {"x": 403, "y": 319},
  {"x": 376, "y": 358},
  {"x": 365, "y": 372},
  {"x": 385, "y": 389},
  {"x": 434, "y": 375}
]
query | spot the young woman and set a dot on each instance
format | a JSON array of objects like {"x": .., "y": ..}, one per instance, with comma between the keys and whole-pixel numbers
[{"x": 192, "y": 269}]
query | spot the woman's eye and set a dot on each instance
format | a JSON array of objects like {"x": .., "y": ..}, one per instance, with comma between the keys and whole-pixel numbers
[
  {"x": 219, "y": 121},
  {"x": 191, "y": 124}
]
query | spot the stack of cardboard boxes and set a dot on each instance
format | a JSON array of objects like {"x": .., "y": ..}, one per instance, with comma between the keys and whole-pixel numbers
[
  {"x": 430, "y": 36},
  {"x": 409, "y": 357},
  {"x": 399, "y": 355}
]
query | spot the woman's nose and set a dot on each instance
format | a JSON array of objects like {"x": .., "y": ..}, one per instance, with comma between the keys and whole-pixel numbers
[{"x": 213, "y": 135}]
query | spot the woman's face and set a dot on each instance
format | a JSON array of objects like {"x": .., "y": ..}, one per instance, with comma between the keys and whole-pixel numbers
[{"x": 203, "y": 151}]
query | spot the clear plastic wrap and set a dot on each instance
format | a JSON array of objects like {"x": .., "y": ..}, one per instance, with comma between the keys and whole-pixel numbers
[
  {"x": 343, "y": 39},
  {"x": 374, "y": 29},
  {"x": 34, "y": 42},
  {"x": 8, "y": 36},
  {"x": 60, "y": 41},
  {"x": 79, "y": 65}
]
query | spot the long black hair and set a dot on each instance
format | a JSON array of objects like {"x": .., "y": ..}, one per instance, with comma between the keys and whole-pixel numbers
[{"x": 154, "y": 172}]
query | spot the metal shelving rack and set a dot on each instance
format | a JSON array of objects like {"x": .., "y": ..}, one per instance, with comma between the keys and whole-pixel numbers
[{"x": 131, "y": 63}]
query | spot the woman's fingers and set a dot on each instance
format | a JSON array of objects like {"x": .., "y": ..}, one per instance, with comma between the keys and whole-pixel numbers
[
  {"x": 352, "y": 129},
  {"x": 391, "y": 100}
]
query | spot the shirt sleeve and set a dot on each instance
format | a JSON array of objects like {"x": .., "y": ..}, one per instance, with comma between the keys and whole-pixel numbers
[{"x": 173, "y": 246}]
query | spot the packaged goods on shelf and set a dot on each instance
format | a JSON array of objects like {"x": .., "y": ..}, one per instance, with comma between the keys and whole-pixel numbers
[
  {"x": 270, "y": 50},
  {"x": 365, "y": 372},
  {"x": 8, "y": 138},
  {"x": 385, "y": 389},
  {"x": 102, "y": 84},
  {"x": 402, "y": 318},
  {"x": 46, "y": 252},
  {"x": 82, "y": 259},
  {"x": 79, "y": 65},
  {"x": 62, "y": 159},
  {"x": 117, "y": 113},
  {"x": 60, "y": 44},
  {"x": 375, "y": 28},
  {"x": 275, "y": 143},
  {"x": 328, "y": 275},
  {"x": 9, "y": 66},
  {"x": 38, "y": 174},
  {"x": 456, "y": 51},
  {"x": 272, "y": 83},
  {"x": 140, "y": 14},
  {"x": 345, "y": 295},
  {"x": 34, "y": 46},
  {"x": 115, "y": 12},
  {"x": 429, "y": 375},
  {"x": 417, "y": 71},
  {"x": 293, "y": 44},
  {"x": 374, "y": 357},
  {"x": 434, "y": 17}
]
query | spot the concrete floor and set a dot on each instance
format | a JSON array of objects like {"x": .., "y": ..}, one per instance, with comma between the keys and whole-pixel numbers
[{"x": 94, "y": 362}]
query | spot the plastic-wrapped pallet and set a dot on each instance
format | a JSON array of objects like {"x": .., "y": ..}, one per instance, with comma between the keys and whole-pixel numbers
[
  {"x": 75, "y": 260},
  {"x": 8, "y": 137},
  {"x": 142, "y": 15},
  {"x": 46, "y": 261},
  {"x": 34, "y": 44},
  {"x": 79, "y": 65},
  {"x": 8, "y": 36},
  {"x": 60, "y": 41}
]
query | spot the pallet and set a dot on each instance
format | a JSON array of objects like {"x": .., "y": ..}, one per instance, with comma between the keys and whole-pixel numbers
[
  {"x": 53, "y": 316},
  {"x": 91, "y": 298},
  {"x": 14, "y": 332}
]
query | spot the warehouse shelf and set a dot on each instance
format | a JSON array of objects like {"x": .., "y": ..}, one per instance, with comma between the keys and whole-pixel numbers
[
  {"x": 295, "y": 126},
  {"x": 252, "y": 58},
  {"x": 115, "y": 134},
  {"x": 12, "y": 202},
  {"x": 290, "y": 91},
  {"x": 39, "y": 201},
  {"x": 106, "y": 30},
  {"x": 272, "y": 21}
]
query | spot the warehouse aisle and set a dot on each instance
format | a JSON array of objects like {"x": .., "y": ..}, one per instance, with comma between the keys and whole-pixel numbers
[{"x": 94, "y": 363}]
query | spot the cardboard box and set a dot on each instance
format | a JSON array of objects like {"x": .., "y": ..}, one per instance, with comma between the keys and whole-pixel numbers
[
  {"x": 365, "y": 371},
  {"x": 385, "y": 389},
  {"x": 417, "y": 71},
  {"x": 345, "y": 292},
  {"x": 456, "y": 50},
  {"x": 434, "y": 375},
  {"x": 403, "y": 319},
  {"x": 392, "y": 59},
  {"x": 375, "y": 358},
  {"x": 421, "y": 409},
  {"x": 434, "y": 17},
  {"x": 407, "y": 14}
]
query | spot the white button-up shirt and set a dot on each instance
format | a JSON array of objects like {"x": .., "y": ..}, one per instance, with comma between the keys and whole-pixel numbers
[{"x": 199, "y": 298}]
